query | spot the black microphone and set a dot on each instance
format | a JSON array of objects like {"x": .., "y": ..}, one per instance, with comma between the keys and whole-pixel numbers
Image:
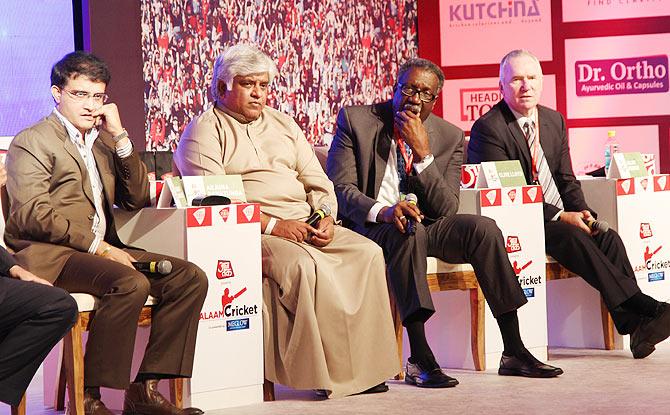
[
  {"x": 155, "y": 269},
  {"x": 411, "y": 199},
  {"x": 318, "y": 214},
  {"x": 597, "y": 226}
]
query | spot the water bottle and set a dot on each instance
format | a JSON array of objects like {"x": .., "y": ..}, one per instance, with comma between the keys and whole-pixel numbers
[{"x": 610, "y": 148}]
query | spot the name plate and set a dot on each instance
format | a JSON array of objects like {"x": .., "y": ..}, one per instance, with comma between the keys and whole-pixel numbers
[
  {"x": 229, "y": 185},
  {"x": 627, "y": 165},
  {"x": 496, "y": 174}
]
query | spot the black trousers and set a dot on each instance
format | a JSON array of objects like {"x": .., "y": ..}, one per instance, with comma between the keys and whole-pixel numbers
[
  {"x": 601, "y": 260},
  {"x": 457, "y": 239},
  {"x": 123, "y": 292},
  {"x": 33, "y": 318}
]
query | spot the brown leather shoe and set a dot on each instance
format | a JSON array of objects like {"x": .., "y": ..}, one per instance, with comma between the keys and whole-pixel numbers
[
  {"x": 92, "y": 406},
  {"x": 144, "y": 399}
]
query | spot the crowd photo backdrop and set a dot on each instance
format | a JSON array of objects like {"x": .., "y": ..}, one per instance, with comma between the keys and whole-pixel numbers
[{"x": 329, "y": 53}]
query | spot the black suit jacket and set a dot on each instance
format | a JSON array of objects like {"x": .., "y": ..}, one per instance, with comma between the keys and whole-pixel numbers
[
  {"x": 497, "y": 136},
  {"x": 359, "y": 154}
]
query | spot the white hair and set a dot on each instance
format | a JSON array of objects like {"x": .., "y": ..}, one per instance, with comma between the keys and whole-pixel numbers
[
  {"x": 515, "y": 54},
  {"x": 241, "y": 59}
]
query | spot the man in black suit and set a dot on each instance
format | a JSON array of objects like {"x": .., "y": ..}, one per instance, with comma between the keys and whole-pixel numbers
[
  {"x": 517, "y": 128},
  {"x": 383, "y": 151},
  {"x": 34, "y": 316}
]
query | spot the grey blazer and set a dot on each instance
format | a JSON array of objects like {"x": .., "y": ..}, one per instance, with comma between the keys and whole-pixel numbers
[{"x": 359, "y": 154}]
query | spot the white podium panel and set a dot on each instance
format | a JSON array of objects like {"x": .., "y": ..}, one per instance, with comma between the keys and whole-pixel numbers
[
  {"x": 644, "y": 226},
  {"x": 225, "y": 242},
  {"x": 636, "y": 208},
  {"x": 518, "y": 213}
]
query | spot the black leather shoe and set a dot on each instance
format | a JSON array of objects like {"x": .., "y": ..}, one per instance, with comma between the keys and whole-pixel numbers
[
  {"x": 381, "y": 388},
  {"x": 144, "y": 399},
  {"x": 92, "y": 406},
  {"x": 418, "y": 375},
  {"x": 526, "y": 365},
  {"x": 650, "y": 332}
]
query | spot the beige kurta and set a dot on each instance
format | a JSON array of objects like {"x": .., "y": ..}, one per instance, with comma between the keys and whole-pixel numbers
[{"x": 327, "y": 322}]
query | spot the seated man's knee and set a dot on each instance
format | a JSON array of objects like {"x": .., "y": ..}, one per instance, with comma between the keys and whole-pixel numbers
[
  {"x": 134, "y": 287},
  {"x": 482, "y": 227},
  {"x": 199, "y": 279}
]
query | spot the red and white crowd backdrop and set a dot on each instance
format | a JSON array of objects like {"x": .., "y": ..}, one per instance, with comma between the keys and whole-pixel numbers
[
  {"x": 605, "y": 61},
  {"x": 605, "y": 64}
]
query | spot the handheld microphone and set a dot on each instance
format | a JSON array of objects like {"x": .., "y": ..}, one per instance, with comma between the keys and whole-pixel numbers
[
  {"x": 411, "y": 224},
  {"x": 318, "y": 214},
  {"x": 597, "y": 226},
  {"x": 155, "y": 269}
]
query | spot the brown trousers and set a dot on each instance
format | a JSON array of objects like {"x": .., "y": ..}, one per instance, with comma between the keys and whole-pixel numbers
[{"x": 123, "y": 291}]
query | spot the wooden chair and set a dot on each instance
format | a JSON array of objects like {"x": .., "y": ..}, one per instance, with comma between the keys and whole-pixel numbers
[
  {"x": 443, "y": 276},
  {"x": 20, "y": 409},
  {"x": 71, "y": 371},
  {"x": 556, "y": 272}
]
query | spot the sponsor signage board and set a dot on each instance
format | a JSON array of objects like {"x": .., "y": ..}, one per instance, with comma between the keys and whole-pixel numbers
[
  {"x": 617, "y": 76},
  {"x": 583, "y": 10},
  {"x": 498, "y": 24}
]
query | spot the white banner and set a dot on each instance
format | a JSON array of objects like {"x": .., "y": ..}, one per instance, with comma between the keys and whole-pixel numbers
[{"x": 225, "y": 242}]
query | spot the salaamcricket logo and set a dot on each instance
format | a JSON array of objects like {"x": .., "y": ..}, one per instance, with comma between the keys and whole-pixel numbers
[
  {"x": 237, "y": 316},
  {"x": 483, "y": 13},
  {"x": 520, "y": 264},
  {"x": 652, "y": 265},
  {"x": 476, "y": 102},
  {"x": 224, "y": 269},
  {"x": 637, "y": 75}
]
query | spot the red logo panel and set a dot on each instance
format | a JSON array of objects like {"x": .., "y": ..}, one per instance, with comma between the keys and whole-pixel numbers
[
  {"x": 625, "y": 187},
  {"x": 513, "y": 244},
  {"x": 661, "y": 183},
  {"x": 532, "y": 194},
  {"x": 490, "y": 197},
  {"x": 224, "y": 269},
  {"x": 248, "y": 213},
  {"x": 201, "y": 216}
]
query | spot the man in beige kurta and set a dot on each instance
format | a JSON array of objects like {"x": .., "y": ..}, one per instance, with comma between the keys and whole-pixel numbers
[{"x": 325, "y": 301}]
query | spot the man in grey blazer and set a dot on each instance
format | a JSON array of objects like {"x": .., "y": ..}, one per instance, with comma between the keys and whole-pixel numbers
[
  {"x": 65, "y": 175},
  {"x": 383, "y": 151}
]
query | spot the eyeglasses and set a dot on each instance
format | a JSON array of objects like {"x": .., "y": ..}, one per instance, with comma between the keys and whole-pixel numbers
[
  {"x": 424, "y": 96},
  {"x": 83, "y": 96}
]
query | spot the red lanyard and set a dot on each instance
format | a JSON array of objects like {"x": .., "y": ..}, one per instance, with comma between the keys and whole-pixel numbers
[{"x": 408, "y": 160}]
